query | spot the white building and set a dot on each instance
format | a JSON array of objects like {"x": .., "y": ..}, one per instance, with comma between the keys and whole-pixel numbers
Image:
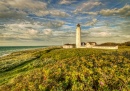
[
  {"x": 94, "y": 45},
  {"x": 69, "y": 46},
  {"x": 105, "y": 47},
  {"x": 90, "y": 44}
]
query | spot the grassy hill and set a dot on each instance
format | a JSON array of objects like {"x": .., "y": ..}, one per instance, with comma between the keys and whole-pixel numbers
[{"x": 57, "y": 69}]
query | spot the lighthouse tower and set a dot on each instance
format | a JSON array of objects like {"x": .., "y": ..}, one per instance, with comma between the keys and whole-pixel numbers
[{"x": 78, "y": 36}]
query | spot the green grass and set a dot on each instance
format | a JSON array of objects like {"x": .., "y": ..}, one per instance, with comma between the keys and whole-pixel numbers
[{"x": 60, "y": 69}]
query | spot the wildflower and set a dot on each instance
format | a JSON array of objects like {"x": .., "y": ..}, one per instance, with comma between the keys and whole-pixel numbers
[{"x": 101, "y": 83}]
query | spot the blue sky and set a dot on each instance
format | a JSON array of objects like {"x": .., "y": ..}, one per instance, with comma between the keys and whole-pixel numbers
[{"x": 53, "y": 22}]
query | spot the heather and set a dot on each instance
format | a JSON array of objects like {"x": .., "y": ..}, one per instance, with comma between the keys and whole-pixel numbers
[{"x": 58, "y": 69}]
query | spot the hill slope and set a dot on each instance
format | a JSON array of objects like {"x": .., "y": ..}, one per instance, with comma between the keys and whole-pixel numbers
[
  {"x": 114, "y": 44},
  {"x": 60, "y": 69}
]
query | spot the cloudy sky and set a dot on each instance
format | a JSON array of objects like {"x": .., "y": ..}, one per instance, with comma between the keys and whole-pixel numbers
[{"x": 53, "y": 22}]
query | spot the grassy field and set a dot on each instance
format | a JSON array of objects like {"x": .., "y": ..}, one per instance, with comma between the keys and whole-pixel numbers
[{"x": 57, "y": 69}]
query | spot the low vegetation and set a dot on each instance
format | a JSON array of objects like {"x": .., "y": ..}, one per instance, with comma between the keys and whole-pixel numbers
[
  {"x": 57, "y": 69},
  {"x": 114, "y": 44}
]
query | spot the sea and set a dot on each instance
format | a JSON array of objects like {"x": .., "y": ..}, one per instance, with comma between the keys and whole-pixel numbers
[{"x": 6, "y": 50}]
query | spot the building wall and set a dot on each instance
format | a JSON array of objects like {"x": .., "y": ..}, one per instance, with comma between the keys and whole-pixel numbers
[
  {"x": 105, "y": 47},
  {"x": 78, "y": 37},
  {"x": 89, "y": 46},
  {"x": 93, "y": 45},
  {"x": 68, "y": 46}
]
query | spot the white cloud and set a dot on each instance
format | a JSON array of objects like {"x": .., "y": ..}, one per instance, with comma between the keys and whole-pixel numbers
[
  {"x": 68, "y": 27},
  {"x": 66, "y": 1},
  {"x": 87, "y": 6},
  {"x": 28, "y": 31},
  {"x": 54, "y": 24},
  {"x": 101, "y": 34},
  {"x": 58, "y": 33},
  {"x": 19, "y": 8},
  {"x": 3, "y": 6},
  {"x": 53, "y": 12},
  {"x": 16, "y": 8},
  {"x": 12, "y": 14},
  {"x": 42, "y": 13},
  {"x": 26, "y": 4},
  {"x": 90, "y": 13},
  {"x": 125, "y": 36},
  {"x": 124, "y": 11},
  {"x": 23, "y": 31},
  {"x": 128, "y": 13},
  {"x": 91, "y": 23},
  {"x": 58, "y": 13},
  {"x": 47, "y": 31},
  {"x": 103, "y": 31},
  {"x": 32, "y": 31},
  {"x": 22, "y": 26}
]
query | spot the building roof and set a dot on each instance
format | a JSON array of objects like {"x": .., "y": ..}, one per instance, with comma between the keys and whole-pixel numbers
[
  {"x": 91, "y": 42},
  {"x": 70, "y": 44},
  {"x": 78, "y": 25}
]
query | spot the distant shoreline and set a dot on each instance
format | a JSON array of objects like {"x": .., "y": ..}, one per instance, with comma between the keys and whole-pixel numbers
[
  {"x": 7, "y": 50},
  {"x": 19, "y": 48}
]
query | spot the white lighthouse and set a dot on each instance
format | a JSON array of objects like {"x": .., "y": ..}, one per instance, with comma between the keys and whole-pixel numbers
[{"x": 78, "y": 36}]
